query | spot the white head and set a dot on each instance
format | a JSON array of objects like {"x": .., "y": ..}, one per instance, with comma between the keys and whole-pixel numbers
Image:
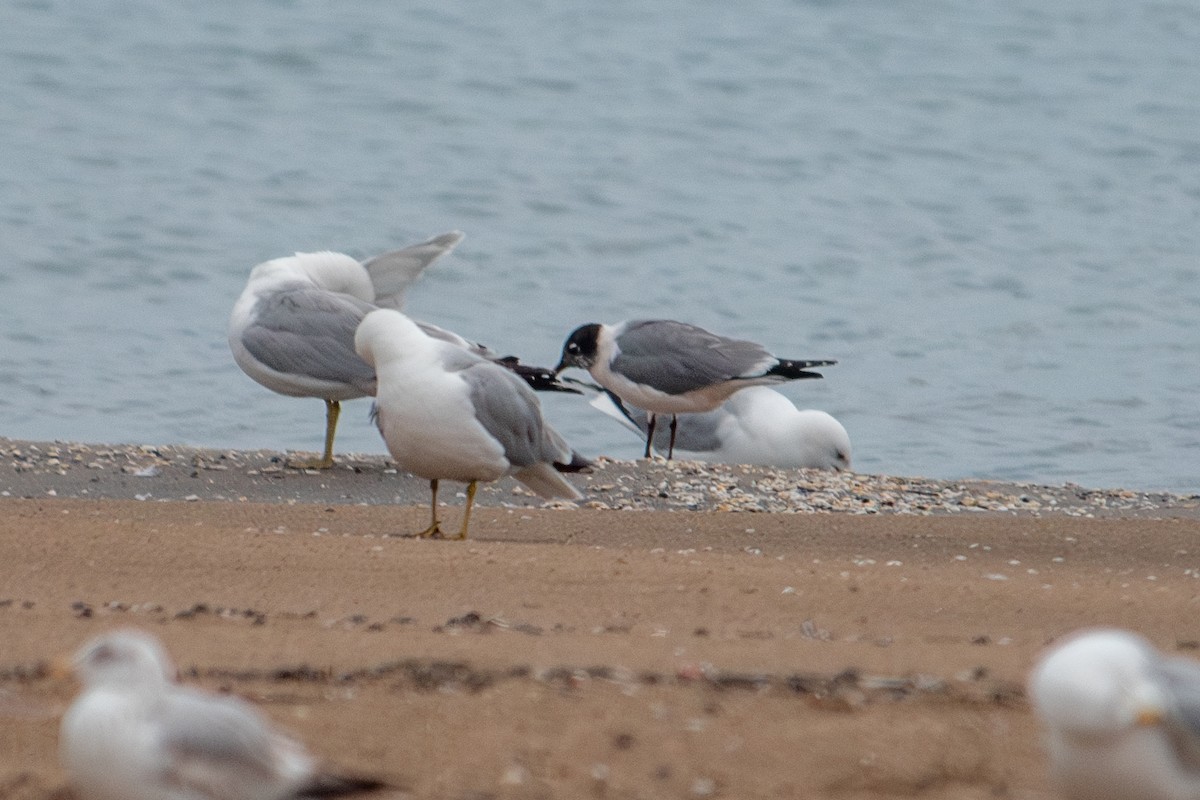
[
  {"x": 821, "y": 440},
  {"x": 1097, "y": 683},
  {"x": 385, "y": 335},
  {"x": 123, "y": 658}
]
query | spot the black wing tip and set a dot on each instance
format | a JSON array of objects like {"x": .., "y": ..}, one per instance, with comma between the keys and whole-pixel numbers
[
  {"x": 327, "y": 785},
  {"x": 798, "y": 370},
  {"x": 577, "y": 464},
  {"x": 540, "y": 379}
]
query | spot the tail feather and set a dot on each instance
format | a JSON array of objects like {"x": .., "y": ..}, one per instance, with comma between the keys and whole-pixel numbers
[
  {"x": 795, "y": 370},
  {"x": 544, "y": 479}
]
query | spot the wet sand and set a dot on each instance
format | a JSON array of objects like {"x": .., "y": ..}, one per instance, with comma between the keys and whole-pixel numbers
[{"x": 584, "y": 652}]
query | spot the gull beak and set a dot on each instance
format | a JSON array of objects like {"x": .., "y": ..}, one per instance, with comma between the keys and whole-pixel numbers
[
  {"x": 1149, "y": 717},
  {"x": 62, "y": 668}
]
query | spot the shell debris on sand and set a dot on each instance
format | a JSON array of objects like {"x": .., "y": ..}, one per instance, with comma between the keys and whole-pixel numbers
[{"x": 172, "y": 472}]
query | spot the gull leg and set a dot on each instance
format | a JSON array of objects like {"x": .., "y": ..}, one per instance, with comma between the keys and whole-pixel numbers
[
  {"x": 674, "y": 425},
  {"x": 433, "y": 529},
  {"x": 649, "y": 433},
  {"x": 332, "y": 410},
  {"x": 462, "y": 534}
]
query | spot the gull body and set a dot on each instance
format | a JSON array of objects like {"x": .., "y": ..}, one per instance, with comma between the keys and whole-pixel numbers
[
  {"x": 448, "y": 414},
  {"x": 757, "y": 425},
  {"x": 292, "y": 328},
  {"x": 669, "y": 367},
  {"x": 135, "y": 734},
  {"x": 1121, "y": 720}
]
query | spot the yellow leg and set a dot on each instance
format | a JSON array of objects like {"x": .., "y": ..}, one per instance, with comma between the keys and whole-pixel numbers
[
  {"x": 462, "y": 534},
  {"x": 434, "y": 529},
  {"x": 332, "y": 410}
]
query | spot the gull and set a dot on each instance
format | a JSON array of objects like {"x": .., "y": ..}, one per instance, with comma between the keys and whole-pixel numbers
[
  {"x": 292, "y": 329},
  {"x": 135, "y": 734},
  {"x": 446, "y": 413},
  {"x": 1123, "y": 720},
  {"x": 757, "y": 425},
  {"x": 669, "y": 367}
]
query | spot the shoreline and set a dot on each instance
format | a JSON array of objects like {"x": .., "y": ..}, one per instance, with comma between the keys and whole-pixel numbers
[{"x": 154, "y": 473}]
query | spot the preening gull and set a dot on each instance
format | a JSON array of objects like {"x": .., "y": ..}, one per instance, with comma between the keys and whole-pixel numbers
[
  {"x": 1122, "y": 720},
  {"x": 135, "y": 734},
  {"x": 292, "y": 329},
  {"x": 757, "y": 425},
  {"x": 668, "y": 367},
  {"x": 448, "y": 414}
]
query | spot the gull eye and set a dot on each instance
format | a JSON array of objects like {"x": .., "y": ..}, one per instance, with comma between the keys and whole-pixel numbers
[
  {"x": 573, "y": 347},
  {"x": 103, "y": 654}
]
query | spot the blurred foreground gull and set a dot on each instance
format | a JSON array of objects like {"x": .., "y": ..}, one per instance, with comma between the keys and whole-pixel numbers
[
  {"x": 1123, "y": 720},
  {"x": 135, "y": 734},
  {"x": 446, "y": 413},
  {"x": 292, "y": 329},
  {"x": 757, "y": 425},
  {"x": 668, "y": 367}
]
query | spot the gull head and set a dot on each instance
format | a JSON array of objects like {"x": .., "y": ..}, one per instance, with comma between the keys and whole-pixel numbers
[
  {"x": 125, "y": 658},
  {"x": 385, "y": 335},
  {"x": 816, "y": 439},
  {"x": 1097, "y": 684},
  {"x": 581, "y": 348}
]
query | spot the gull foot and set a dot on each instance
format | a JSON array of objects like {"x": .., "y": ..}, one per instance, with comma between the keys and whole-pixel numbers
[{"x": 312, "y": 463}]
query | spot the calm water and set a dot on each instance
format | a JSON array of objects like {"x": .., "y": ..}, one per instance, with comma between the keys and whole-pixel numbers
[{"x": 989, "y": 213}]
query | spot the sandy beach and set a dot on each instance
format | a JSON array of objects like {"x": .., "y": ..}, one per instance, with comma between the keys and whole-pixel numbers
[{"x": 685, "y": 631}]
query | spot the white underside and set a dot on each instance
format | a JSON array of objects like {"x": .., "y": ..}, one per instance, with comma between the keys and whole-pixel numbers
[
  {"x": 428, "y": 423},
  {"x": 651, "y": 399},
  {"x": 1137, "y": 764}
]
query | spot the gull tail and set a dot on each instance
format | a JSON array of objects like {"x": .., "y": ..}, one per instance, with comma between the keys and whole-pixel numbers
[
  {"x": 793, "y": 370},
  {"x": 544, "y": 479}
]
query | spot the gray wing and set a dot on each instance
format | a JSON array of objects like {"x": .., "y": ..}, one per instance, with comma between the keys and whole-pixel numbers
[
  {"x": 509, "y": 410},
  {"x": 392, "y": 273},
  {"x": 302, "y": 330},
  {"x": 453, "y": 338},
  {"x": 216, "y": 743},
  {"x": 675, "y": 357},
  {"x": 1181, "y": 678}
]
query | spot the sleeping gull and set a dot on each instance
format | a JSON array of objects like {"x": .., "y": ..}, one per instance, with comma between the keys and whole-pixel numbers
[
  {"x": 135, "y": 734},
  {"x": 1123, "y": 721},
  {"x": 447, "y": 413},
  {"x": 757, "y": 425},
  {"x": 668, "y": 367},
  {"x": 292, "y": 329}
]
